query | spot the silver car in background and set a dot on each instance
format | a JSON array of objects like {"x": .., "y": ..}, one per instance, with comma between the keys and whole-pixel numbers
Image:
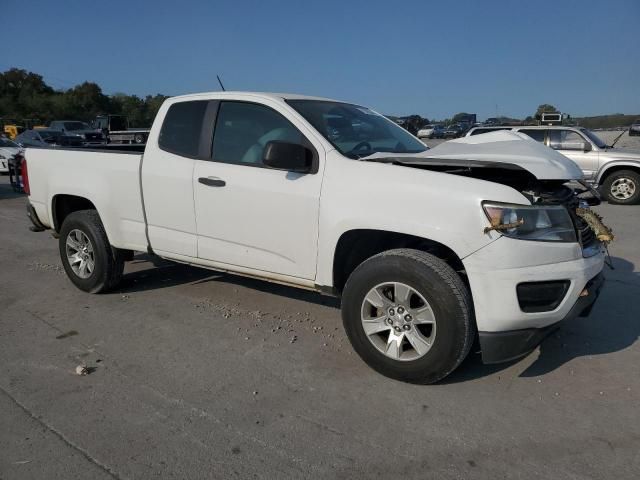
[{"x": 615, "y": 171}]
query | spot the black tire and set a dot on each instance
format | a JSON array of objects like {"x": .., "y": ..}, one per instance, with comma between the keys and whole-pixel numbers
[
  {"x": 631, "y": 176},
  {"x": 108, "y": 261},
  {"x": 447, "y": 295}
]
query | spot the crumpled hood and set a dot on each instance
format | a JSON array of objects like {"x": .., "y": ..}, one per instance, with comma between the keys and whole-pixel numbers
[{"x": 501, "y": 148}]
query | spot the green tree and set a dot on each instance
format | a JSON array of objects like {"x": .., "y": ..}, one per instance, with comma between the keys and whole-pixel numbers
[
  {"x": 85, "y": 101},
  {"x": 545, "y": 108}
]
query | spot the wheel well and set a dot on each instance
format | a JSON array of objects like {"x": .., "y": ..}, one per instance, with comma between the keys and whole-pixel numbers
[
  {"x": 610, "y": 171},
  {"x": 63, "y": 205},
  {"x": 355, "y": 246}
]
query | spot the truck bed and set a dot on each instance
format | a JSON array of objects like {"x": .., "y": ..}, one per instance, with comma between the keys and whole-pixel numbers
[{"x": 109, "y": 179}]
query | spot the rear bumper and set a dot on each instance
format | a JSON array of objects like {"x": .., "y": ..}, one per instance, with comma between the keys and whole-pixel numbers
[
  {"x": 504, "y": 346},
  {"x": 38, "y": 226}
]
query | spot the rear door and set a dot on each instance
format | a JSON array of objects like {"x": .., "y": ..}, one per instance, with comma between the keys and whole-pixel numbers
[
  {"x": 249, "y": 215},
  {"x": 572, "y": 144},
  {"x": 167, "y": 177}
]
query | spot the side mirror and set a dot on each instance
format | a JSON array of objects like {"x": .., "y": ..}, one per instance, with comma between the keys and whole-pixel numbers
[
  {"x": 587, "y": 147},
  {"x": 292, "y": 157}
]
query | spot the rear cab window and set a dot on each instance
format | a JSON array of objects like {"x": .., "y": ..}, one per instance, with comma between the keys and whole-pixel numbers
[{"x": 182, "y": 128}]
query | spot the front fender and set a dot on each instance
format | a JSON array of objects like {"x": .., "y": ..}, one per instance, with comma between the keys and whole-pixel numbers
[
  {"x": 436, "y": 206},
  {"x": 602, "y": 171}
]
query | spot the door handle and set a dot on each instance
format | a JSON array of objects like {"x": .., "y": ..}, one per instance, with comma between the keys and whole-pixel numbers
[{"x": 212, "y": 181}]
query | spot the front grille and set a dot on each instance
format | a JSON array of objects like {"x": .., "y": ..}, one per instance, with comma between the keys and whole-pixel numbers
[{"x": 585, "y": 235}]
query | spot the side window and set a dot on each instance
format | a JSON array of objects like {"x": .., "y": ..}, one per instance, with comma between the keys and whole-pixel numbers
[
  {"x": 537, "y": 135},
  {"x": 180, "y": 132},
  {"x": 565, "y": 140},
  {"x": 243, "y": 130}
]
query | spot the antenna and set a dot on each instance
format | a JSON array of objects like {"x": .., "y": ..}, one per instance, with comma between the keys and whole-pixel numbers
[{"x": 220, "y": 82}]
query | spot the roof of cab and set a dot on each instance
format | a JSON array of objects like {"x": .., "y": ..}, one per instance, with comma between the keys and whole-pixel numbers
[{"x": 265, "y": 95}]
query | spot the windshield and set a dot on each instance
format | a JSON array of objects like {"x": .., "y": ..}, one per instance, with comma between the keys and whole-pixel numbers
[
  {"x": 594, "y": 138},
  {"x": 356, "y": 131},
  {"x": 4, "y": 142},
  {"x": 71, "y": 126}
]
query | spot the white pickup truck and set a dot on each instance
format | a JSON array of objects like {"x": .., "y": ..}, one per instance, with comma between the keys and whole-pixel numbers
[{"x": 428, "y": 249}]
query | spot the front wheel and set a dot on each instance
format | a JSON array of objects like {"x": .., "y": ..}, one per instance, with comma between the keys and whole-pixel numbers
[
  {"x": 622, "y": 187},
  {"x": 90, "y": 262},
  {"x": 408, "y": 315}
]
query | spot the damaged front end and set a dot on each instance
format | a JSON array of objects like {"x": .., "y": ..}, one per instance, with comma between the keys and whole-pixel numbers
[{"x": 574, "y": 197}]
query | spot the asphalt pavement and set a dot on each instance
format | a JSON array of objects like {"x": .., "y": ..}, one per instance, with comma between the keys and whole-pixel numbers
[{"x": 196, "y": 374}]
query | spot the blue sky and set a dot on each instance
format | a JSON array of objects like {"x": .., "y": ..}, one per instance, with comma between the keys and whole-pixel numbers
[{"x": 399, "y": 57}]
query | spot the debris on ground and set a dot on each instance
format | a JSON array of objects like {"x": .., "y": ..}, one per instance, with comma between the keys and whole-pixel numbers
[{"x": 82, "y": 370}]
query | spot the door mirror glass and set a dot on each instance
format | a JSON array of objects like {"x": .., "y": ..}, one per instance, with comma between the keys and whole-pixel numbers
[
  {"x": 587, "y": 147},
  {"x": 292, "y": 157}
]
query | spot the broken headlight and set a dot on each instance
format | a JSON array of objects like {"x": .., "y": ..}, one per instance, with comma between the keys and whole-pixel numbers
[{"x": 546, "y": 223}]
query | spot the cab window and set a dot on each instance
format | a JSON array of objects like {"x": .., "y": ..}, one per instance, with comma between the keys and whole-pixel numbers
[
  {"x": 244, "y": 129},
  {"x": 180, "y": 133}
]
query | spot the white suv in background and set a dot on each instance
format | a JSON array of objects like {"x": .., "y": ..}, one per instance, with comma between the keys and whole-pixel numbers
[
  {"x": 8, "y": 150},
  {"x": 617, "y": 170}
]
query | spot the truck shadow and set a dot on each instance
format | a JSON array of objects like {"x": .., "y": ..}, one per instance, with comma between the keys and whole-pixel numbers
[
  {"x": 164, "y": 274},
  {"x": 612, "y": 326}
]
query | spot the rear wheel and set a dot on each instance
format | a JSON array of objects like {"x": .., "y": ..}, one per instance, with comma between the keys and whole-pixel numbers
[
  {"x": 90, "y": 262},
  {"x": 622, "y": 187},
  {"x": 408, "y": 315}
]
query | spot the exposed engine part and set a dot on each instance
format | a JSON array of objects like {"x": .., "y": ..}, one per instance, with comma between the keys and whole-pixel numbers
[{"x": 603, "y": 233}]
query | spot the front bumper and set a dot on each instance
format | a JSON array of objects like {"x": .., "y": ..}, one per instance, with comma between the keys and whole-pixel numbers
[
  {"x": 494, "y": 273},
  {"x": 500, "y": 347}
]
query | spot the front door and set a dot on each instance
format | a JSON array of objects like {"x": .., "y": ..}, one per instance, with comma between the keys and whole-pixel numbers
[
  {"x": 249, "y": 215},
  {"x": 571, "y": 144}
]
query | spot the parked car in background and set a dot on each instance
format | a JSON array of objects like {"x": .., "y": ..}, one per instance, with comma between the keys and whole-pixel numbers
[
  {"x": 615, "y": 171},
  {"x": 453, "y": 131},
  {"x": 82, "y": 130},
  {"x": 431, "y": 131},
  {"x": 425, "y": 132},
  {"x": 116, "y": 129},
  {"x": 279, "y": 187},
  {"x": 634, "y": 129},
  {"x": 8, "y": 150},
  {"x": 45, "y": 137}
]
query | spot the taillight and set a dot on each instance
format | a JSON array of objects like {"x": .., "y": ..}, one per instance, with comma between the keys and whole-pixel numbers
[{"x": 25, "y": 176}]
